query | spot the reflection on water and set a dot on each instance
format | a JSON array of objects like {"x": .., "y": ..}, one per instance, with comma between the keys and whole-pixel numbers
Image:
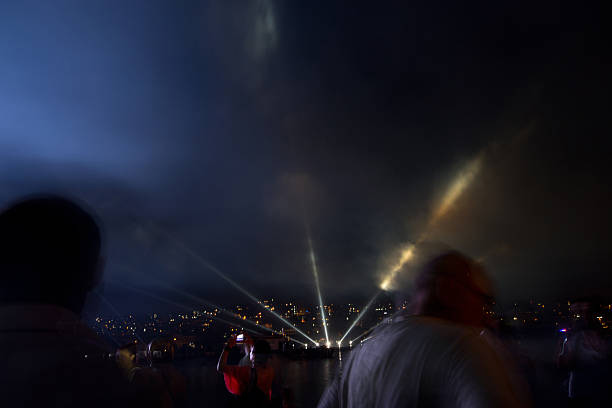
[{"x": 307, "y": 379}]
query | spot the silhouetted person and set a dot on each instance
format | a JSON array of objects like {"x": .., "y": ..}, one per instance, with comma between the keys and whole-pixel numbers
[
  {"x": 49, "y": 261},
  {"x": 252, "y": 384},
  {"x": 586, "y": 354},
  {"x": 157, "y": 382},
  {"x": 247, "y": 347},
  {"x": 435, "y": 357}
]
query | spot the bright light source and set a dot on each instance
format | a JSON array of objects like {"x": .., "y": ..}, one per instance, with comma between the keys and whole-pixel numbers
[
  {"x": 328, "y": 344},
  {"x": 405, "y": 256},
  {"x": 461, "y": 182}
]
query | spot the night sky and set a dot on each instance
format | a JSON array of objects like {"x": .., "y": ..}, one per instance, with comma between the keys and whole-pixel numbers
[{"x": 235, "y": 127}]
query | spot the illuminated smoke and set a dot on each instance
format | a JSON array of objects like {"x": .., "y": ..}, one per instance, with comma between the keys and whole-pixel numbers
[
  {"x": 370, "y": 330},
  {"x": 234, "y": 315},
  {"x": 264, "y": 35},
  {"x": 457, "y": 187},
  {"x": 461, "y": 182}
]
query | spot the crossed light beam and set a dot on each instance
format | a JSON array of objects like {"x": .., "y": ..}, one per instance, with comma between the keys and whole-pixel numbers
[
  {"x": 207, "y": 265},
  {"x": 177, "y": 304},
  {"x": 210, "y": 304},
  {"x": 460, "y": 183},
  {"x": 234, "y": 315}
]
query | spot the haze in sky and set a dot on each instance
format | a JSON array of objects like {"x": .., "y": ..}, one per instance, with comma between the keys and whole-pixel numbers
[{"x": 228, "y": 126}]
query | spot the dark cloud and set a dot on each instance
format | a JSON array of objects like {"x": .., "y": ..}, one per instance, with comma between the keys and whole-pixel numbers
[{"x": 235, "y": 128}]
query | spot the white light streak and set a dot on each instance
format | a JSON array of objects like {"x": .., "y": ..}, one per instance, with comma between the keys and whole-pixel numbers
[
  {"x": 204, "y": 263},
  {"x": 360, "y": 315},
  {"x": 200, "y": 300},
  {"x": 177, "y": 304},
  {"x": 315, "y": 272},
  {"x": 405, "y": 256},
  {"x": 461, "y": 182}
]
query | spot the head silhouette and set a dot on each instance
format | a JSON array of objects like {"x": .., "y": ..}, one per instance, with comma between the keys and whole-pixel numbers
[
  {"x": 453, "y": 287},
  {"x": 49, "y": 252},
  {"x": 260, "y": 352}
]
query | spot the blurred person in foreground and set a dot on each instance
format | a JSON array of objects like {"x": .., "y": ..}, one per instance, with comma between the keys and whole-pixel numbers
[
  {"x": 435, "y": 355},
  {"x": 253, "y": 384},
  {"x": 152, "y": 374},
  {"x": 585, "y": 353},
  {"x": 49, "y": 260}
]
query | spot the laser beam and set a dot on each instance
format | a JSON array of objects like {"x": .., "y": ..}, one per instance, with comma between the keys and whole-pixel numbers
[
  {"x": 459, "y": 184},
  {"x": 315, "y": 272},
  {"x": 207, "y": 265},
  {"x": 177, "y": 304},
  {"x": 368, "y": 331},
  {"x": 360, "y": 315},
  {"x": 234, "y": 315},
  {"x": 206, "y": 302},
  {"x": 463, "y": 180}
]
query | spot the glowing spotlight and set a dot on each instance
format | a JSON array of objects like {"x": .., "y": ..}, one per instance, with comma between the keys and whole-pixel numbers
[
  {"x": 360, "y": 315},
  {"x": 458, "y": 186},
  {"x": 405, "y": 256},
  {"x": 328, "y": 344},
  {"x": 315, "y": 272},
  {"x": 463, "y": 180}
]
